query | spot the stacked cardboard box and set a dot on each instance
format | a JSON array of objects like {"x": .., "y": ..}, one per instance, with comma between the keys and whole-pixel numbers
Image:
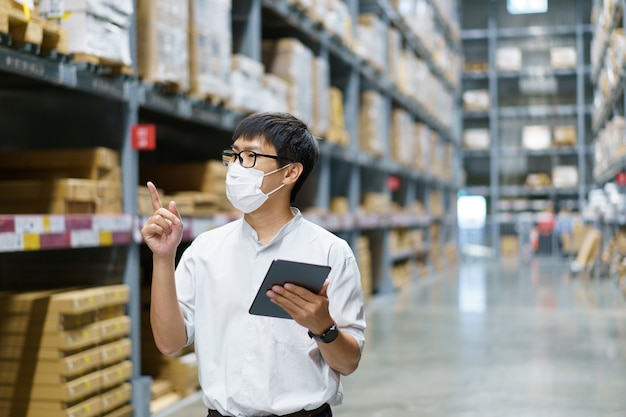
[
  {"x": 210, "y": 47},
  {"x": 372, "y": 131},
  {"x": 394, "y": 55},
  {"x": 275, "y": 93},
  {"x": 321, "y": 97},
  {"x": 402, "y": 138},
  {"x": 163, "y": 43},
  {"x": 538, "y": 180},
  {"x": 476, "y": 138},
  {"x": 565, "y": 176},
  {"x": 291, "y": 60},
  {"x": 509, "y": 59},
  {"x": 610, "y": 144},
  {"x": 340, "y": 205},
  {"x": 401, "y": 274},
  {"x": 65, "y": 353},
  {"x": 376, "y": 203},
  {"x": 563, "y": 57},
  {"x": 476, "y": 100},
  {"x": 564, "y": 135},
  {"x": 422, "y": 139},
  {"x": 337, "y": 132},
  {"x": 371, "y": 42},
  {"x": 364, "y": 259},
  {"x": 589, "y": 249},
  {"x": 199, "y": 188},
  {"x": 60, "y": 181},
  {"x": 247, "y": 80},
  {"x": 338, "y": 21}
]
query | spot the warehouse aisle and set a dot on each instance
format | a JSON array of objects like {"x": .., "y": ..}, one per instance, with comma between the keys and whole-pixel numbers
[{"x": 492, "y": 340}]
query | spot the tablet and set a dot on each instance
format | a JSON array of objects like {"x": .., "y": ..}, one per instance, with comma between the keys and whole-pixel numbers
[{"x": 309, "y": 276}]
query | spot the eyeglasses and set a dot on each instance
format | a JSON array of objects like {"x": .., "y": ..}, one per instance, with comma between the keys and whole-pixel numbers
[{"x": 247, "y": 159}]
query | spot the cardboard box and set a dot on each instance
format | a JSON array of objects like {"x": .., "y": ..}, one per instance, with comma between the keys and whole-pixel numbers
[
  {"x": 509, "y": 246},
  {"x": 291, "y": 60},
  {"x": 538, "y": 180},
  {"x": 564, "y": 136},
  {"x": 321, "y": 97},
  {"x": 207, "y": 177},
  {"x": 246, "y": 81},
  {"x": 536, "y": 137},
  {"x": 563, "y": 57},
  {"x": 91, "y": 407},
  {"x": 565, "y": 176},
  {"x": 509, "y": 59},
  {"x": 476, "y": 100},
  {"x": 116, "y": 397},
  {"x": 476, "y": 138},
  {"x": 124, "y": 411},
  {"x": 372, "y": 132}
]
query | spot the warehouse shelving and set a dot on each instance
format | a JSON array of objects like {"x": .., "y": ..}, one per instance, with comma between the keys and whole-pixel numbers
[
  {"x": 124, "y": 100},
  {"x": 487, "y": 28}
]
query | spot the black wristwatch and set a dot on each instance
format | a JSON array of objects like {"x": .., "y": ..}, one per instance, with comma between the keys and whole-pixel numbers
[{"x": 328, "y": 335}]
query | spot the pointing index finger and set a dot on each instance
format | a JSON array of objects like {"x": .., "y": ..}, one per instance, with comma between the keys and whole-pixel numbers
[{"x": 154, "y": 195}]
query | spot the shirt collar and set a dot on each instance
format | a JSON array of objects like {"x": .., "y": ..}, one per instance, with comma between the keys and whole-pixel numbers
[{"x": 288, "y": 227}]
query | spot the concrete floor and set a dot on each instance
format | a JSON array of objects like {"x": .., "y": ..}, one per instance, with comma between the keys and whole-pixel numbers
[{"x": 488, "y": 339}]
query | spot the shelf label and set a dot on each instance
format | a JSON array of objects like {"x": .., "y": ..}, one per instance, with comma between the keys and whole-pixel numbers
[
  {"x": 32, "y": 241},
  {"x": 29, "y": 224},
  {"x": 106, "y": 238},
  {"x": 84, "y": 238},
  {"x": 11, "y": 242}
]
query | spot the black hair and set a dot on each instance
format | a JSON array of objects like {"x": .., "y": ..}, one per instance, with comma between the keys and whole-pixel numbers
[{"x": 290, "y": 137}]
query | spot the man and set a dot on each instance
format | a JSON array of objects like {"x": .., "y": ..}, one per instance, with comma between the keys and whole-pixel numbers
[{"x": 252, "y": 365}]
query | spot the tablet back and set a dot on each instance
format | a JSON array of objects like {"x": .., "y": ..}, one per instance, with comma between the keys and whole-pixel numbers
[{"x": 309, "y": 276}]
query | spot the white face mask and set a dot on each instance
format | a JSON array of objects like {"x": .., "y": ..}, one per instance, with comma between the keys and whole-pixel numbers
[{"x": 243, "y": 187}]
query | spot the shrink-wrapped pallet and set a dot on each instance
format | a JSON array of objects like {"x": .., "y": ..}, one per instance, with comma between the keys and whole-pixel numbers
[
  {"x": 321, "y": 96},
  {"x": 402, "y": 137},
  {"x": 210, "y": 44},
  {"x": 276, "y": 93},
  {"x": 247, "y": 80},
  {"x": 291, "y": 60},
  {"x": 98, "y": 28},
  {"x": 163, "y": 43},
  {"x": 372, "y": 132},
  {"x": 371, "y": 43}
]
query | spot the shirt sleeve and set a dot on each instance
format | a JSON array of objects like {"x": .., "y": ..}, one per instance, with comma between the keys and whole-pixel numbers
[
  {"x": 345, "y": 293},
  {"x": 185, "y": 291}
]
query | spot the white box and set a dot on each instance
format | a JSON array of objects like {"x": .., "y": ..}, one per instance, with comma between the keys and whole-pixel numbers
[
  {"x": 536, "y": 137},
  {"x": 476, "y": 138},
  {"x": 509, "y": 59},
  {"x": 565, "y": 176},
  {"x": 563, "y": 57}
]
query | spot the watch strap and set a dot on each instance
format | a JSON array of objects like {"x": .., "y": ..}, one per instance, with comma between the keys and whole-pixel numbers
[{"x": 327, "y": 336}]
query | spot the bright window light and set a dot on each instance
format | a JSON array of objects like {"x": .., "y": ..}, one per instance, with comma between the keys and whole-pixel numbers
[
  {"x": 527, "y": 6},
  {"x": 471, "y": 211}
]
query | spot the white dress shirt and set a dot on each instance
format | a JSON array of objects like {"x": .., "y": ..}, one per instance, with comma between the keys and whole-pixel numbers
[{"x": 254, "y": 365}]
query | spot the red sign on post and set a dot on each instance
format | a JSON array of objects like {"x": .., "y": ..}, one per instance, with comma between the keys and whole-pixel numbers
[
  {"x": 393, "y": 183},
  {"x": 620, "y": 179},
  {"x": 144, "y": 137}
]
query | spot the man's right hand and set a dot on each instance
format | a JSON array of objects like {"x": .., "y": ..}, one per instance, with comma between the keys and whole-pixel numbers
[{"x": 163, "y": 231}]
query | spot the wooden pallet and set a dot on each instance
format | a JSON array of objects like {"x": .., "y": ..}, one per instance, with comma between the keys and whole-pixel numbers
[
  {"x": 101, "y": 65},
  {"x": 33, "y": 35},
  {"x": 213, "y": 99}
]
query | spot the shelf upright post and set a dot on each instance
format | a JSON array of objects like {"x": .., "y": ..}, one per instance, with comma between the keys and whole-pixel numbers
[
  {"x": 322, "y": 194},
  {"x": 581, "y": 134},
  {"x": 248, "y": 13},
  {"x": 494, "y": 154},
  {"x": 351, "y": 111},
  {"x": 141, "y": 395}
]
